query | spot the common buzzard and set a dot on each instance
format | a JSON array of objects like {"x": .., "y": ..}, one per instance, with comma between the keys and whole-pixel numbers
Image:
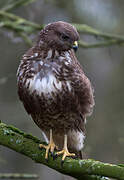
[{"x": 54, "y": 89}]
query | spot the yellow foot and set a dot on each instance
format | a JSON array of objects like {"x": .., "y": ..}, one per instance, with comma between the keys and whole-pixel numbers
[
  {"x": 50, "y": 147},
  {"x": 65, "y": 153}
]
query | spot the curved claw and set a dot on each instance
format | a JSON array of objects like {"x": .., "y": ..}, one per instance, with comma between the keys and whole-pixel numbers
[
  {"x": 65, "y": 153},
  {"x": 50, "y": 147}
]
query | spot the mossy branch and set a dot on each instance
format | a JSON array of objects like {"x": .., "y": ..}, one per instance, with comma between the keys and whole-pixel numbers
[
  {"x": 24, "y": 28},
  {"x": 28, "y": 145}
]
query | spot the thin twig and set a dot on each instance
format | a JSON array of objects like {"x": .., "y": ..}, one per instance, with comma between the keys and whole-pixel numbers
[
  {"x": 26, "y": 39},
  {"x": 25, "y": 28},
  {"x": 85, "y": 29},
  {"x": 101, "y": 44},
  {"x": 16, "y": 4}
]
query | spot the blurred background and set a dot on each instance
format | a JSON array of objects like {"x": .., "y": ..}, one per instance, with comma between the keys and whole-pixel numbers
[{"x": 104, "y": 67}]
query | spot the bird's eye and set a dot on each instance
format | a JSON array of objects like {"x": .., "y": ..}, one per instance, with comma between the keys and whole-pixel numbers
[{"x": 64, "y": 37}]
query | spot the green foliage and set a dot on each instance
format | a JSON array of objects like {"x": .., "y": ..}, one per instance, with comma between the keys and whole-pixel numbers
[{"x": 24, "y": 28}]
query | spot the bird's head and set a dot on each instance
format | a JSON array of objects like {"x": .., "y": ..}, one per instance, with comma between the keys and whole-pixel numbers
[{"x": 59, "y": 35}]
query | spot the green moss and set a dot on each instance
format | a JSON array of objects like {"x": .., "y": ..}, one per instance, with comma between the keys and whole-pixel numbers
[
  {"x": 8, "y": 132},
  {"x": 24, "y": 134},
  {"x": 18, "y": 141},
  {"x": 28, "y": 145}
]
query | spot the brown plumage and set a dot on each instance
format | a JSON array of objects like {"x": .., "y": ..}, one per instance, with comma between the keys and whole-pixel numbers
[{"x": 53, "y": 87}]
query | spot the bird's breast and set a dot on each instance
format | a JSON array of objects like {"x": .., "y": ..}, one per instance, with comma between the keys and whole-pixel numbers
[{"x": 46, "y": 84}]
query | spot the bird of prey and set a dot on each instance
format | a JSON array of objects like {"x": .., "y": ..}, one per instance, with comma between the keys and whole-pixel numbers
[{"x": 54, "y": 89}]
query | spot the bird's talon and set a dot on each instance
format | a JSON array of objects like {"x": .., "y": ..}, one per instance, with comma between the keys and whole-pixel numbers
[
  {"x": 56, "y": 148},
  {"x": 49, "y": 148},
  {"x": 42, "y": 146},
  {"x": 65, "y": 154},
  {"x": 52, "y": 154},
  {"x": 55, "y": 156},
  {"x": 65, "y": 151}
]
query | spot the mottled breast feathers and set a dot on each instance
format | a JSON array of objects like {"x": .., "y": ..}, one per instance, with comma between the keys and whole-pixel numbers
[
  {"x": 55, "y": 88},
  {"x": 51, "y": 82}
]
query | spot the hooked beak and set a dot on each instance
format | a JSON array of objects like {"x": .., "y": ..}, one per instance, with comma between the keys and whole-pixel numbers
[{"x": 75, "y": 46}]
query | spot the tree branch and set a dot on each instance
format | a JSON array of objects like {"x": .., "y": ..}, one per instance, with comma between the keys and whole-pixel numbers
[
  {"x": 83, "y": 28},
  {"x": 24, "y": 28},
  {"x": 28, "y": 145},
  {"x": 101, "y": 44},
  {"x": 16, "y": 4}
]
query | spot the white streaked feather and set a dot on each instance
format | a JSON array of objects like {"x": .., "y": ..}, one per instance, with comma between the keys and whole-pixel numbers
[
  {"x": 76, "y": 139},
  {"x": 49, "y": 54},
  {"x": 68, "y": 58},
  {"x": 45, "y": 137},
  {"x": 47, "y": 84},
  {"x": 41, "y": 63},
  {"x": 36, "y": 54},
  {"x": 56, "y": 53},
  {"x": 68, "y": 85}
]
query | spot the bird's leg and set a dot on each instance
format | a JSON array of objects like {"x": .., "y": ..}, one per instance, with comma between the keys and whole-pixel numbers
[
  {"x": 65, "y": 151},
  {"x": 50, "y": 147}
]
